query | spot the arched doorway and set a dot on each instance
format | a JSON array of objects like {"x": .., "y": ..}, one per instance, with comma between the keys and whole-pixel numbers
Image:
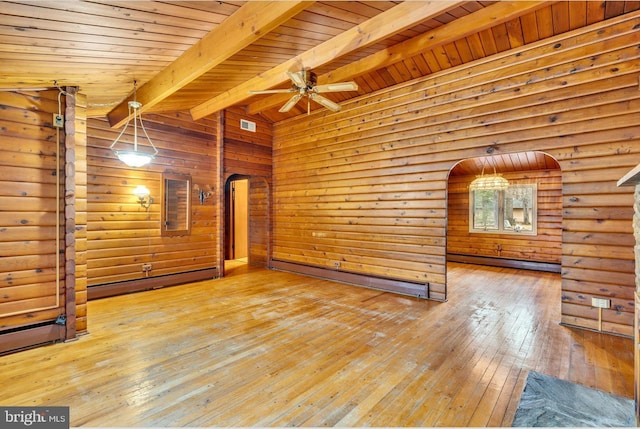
[
  {"x": 246, "y": 222},
  {"x": 507, "y": 228}
]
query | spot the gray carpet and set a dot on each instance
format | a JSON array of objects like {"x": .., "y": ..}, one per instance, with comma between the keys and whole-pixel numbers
[{"x": 550, "y": 402}]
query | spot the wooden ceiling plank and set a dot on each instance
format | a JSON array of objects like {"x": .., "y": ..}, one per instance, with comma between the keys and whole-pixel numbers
[
  {"x": 484, "y": 19},
  {"x": 241, "y": 29},
  {"x": 577, "y": 14},
  {"x": 475, "y": 45},
  {"x": 529, "y": 28},
  {"x": 392, "y": 21},
  {"x": 595, "y": 11},
  {"x": 560, "y": 13},
  {"x": 515, "y": 33},
  {"x": 545, "y": 22}
]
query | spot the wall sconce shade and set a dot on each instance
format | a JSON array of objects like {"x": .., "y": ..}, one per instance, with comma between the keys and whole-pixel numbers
[
  {"x": 143, "y": 194},
  {"x": 129, "y": 153}
]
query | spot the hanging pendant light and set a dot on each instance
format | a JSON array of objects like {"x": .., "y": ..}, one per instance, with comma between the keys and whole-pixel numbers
[
  {"x": 491, "y": 182},
  {"x": 130, "y": 153}
]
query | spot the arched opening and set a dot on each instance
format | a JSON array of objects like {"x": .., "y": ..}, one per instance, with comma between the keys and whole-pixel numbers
[
  {"x": 518, "y": 227},
  {"x": 246, "y": 223}
]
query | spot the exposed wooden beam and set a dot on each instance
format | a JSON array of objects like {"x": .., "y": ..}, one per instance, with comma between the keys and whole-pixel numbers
[
  {"x": 483, "y": 19},
  {"x": 394, "y": 20},
  {"x": 249, "y": 23}
]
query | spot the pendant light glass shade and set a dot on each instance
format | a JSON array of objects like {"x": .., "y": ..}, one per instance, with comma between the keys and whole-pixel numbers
[
  {"x": 490, "y": 182},
  {"x": 127, "y": 149}
]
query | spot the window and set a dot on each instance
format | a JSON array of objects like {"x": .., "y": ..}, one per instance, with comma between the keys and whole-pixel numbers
[{"x": 512, "y": 211}]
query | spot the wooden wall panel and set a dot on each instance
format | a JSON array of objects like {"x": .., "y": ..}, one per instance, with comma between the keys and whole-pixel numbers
[
  {"x": 248, "y": 154},
  {"x": 245, "y": 152},
  {"x": 122, "y": 235},
  {"x": 29, "y": 174},
  {"x": 545, "y": 246},
  {"x": 364, "y": 190},
  {"x": 259, "y": 225}
]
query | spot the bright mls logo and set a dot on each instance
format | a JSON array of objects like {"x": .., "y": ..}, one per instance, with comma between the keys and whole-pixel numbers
[{"x": 34, "y": 417}]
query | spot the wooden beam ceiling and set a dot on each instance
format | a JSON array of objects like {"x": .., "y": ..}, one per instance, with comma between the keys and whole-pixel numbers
[
  {"x": 398, "y": 18},
  {"x": 480, "y": 20},
  {"x": 248, "y": 24},
  {"x": 203, "y": 56}
]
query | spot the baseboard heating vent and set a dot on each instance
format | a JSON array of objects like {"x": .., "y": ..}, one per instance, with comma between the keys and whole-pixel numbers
[{"x": 248, "y": 125}]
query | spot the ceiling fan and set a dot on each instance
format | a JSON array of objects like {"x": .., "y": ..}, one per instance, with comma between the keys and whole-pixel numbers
[{"x": 304, "y": 83}]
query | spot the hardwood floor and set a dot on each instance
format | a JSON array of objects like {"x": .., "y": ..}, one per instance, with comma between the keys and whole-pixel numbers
[{"x": 265, "y": 348}]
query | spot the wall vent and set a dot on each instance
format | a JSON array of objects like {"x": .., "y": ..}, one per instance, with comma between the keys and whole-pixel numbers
[{"x": 248, "y": 125}]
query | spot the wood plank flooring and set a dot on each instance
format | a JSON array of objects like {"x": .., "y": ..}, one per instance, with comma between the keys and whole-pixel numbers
[{"x": 266, "y": 348}]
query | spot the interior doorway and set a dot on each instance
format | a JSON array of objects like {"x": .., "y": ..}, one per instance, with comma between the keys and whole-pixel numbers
[
  {"x": 237, "y": 220},
  {"x": 487, "y": 225}
]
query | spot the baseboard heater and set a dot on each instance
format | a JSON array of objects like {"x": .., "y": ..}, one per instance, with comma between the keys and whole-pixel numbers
[
  {"x": 505, "y": 263},
  {"x": 26, "y": 337},
  {"x": 420, "y": 290},
  {"x": 147, "y": 283}
]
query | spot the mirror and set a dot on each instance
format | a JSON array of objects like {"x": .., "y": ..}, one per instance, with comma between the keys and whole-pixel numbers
[{"x": 176, "y": 204}]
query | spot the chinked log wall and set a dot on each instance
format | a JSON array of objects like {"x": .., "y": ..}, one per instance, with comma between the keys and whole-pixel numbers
[
  {"x": 122, "y": 235},
  {"x": 542, "y": 250},
  {"x": 29, "y": 302},
  {"x": 366, "y": 188}
]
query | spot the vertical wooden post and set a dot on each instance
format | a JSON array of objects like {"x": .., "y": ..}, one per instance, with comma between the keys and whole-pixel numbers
[
  {"x": 220, "y": 189},
  {"x": 70, "y": 212},
  {"x": 633, "y": 179}
]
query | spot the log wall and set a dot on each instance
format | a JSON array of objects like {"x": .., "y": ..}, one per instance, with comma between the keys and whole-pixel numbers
[
  {"x": 543, "y": 247},
  {"x": 34, "y": 185},
  {"x": 364, "y": 190},
  {"x": 122, "y": 235}
]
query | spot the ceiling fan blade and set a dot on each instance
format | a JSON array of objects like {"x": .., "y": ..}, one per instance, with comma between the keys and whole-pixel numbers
[
  {"x": 298, "y": 78},
  {"x": 273, "y": 91},
  {"x": 289, "y": 104},
  {"x": 338, "y": 86},
  {"x": 325, "y": 102}
]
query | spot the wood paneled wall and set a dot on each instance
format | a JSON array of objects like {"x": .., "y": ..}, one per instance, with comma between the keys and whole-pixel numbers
[
  {"x": 248, "y": 154},
  {"x": 121, "y": 234},
  {"x": 366, "y": 188},
  {"x": 543, "y": 247},
  {"x": 259, "y": 221},
  {"x": 34, "y": 184},
  {"x": 245, "y": 152}
]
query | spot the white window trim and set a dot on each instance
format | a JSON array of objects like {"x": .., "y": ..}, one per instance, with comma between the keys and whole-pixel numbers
[{"x": 501, "y": 230}]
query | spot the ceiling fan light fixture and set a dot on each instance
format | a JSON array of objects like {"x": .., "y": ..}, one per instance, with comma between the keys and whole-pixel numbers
[
  {"x": 325, "y": 102},
  {"x": 129, "y": 152},
  {"x": 304, "y": 83},
  {"x": 292, "y": 102}
]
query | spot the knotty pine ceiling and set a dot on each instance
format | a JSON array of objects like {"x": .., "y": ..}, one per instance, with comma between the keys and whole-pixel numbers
[{"x": 203, "y": 56}]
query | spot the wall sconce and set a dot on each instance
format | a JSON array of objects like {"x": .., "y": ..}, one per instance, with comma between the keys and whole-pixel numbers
[
  {"x": 203, "y": 195},
  {"x": 135, "y": 157},
  {"x": 143, "y": 194}
]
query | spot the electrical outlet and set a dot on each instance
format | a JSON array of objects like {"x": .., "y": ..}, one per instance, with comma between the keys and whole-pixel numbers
[
  {"x": 600, "y": 303},
  {"x": 58, "y": 120},
  {"x": 146, "y": 267},
  {"x": 336, "y": 264}
]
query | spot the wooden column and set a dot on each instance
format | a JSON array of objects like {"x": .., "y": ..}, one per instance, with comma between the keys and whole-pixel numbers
[
  {"x": 633, "y": 179},
  {"x": 70, "y": 212},
  {"x": 220, "y": 232}
]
